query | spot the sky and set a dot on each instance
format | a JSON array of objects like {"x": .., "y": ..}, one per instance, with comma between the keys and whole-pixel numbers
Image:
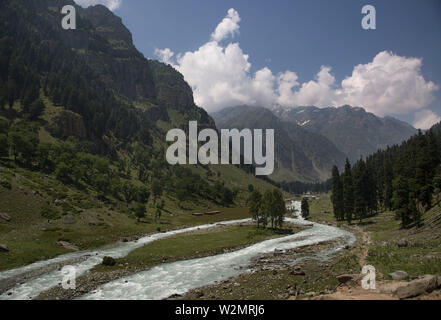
[{"x": 297, "y": 52}]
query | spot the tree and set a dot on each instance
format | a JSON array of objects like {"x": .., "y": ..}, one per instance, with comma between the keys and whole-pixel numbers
[
  {"x": 255, "y": 206},
  {"x": 348, "y": 192},
  {"x": 279, "y": 208},
  {"x": 129, "y": 192},
  {"x": 36, "y": 109},
  {"x": 267, "y": 207},
  {"x": 156, "y": 189},
  {"x": 62, "y": 172},
  {"x": 401, "y": 201},
  {"x": 360, "y": 189},
  {"x": 140, "y": 211},
  {"x": 437, "y": 185},
  {"x": 337, "y": 195},
  {"x": 23, "y": 139},
  {"x": 4, "y": 146},
  {"x": 143, "y": 194},
  {"x": 305, "y": 208}
]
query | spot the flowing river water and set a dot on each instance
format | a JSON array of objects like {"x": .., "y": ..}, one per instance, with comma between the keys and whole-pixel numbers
[{"x": 178, "y": 277}]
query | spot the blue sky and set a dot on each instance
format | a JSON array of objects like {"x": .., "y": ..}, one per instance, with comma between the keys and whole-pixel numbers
[{"x": 297, "y": 52}]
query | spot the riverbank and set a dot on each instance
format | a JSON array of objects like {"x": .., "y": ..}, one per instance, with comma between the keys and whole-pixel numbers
[{"x": 192, "y": 245}]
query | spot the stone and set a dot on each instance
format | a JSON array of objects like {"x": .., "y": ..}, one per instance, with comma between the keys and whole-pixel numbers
[
  {"x": 67, "y": 245},
  {"x": 4, "y": 248},
  {"x": 5, "y": 216},
  {"x": 402, "y": 243},
  {"x": 399, "y": 275},
  {"x": 198, "y": 293},
  {"x": 426, "y": 284}
]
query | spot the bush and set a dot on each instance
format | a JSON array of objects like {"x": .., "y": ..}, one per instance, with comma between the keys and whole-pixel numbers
[
  {"x": 49, "y": 213},
  {"x": 6, "y": 184},
  {"x": 108, "y": 262}
]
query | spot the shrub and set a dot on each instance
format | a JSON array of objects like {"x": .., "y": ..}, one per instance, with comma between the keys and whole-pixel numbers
[
  {"x": 49, "y": 213},
  {"x": 6, "y": 184},
  {"x": 109, "y": 261}
]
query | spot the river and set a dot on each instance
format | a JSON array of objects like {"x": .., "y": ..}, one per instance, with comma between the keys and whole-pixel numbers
[{"x": 178, "y": 277}]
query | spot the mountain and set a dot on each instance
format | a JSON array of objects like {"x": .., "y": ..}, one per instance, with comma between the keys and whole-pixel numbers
[
  {"x": 353, "y": 130},
  {"x": 86, "y": 106},
  {"x": 300, "y": 155}
]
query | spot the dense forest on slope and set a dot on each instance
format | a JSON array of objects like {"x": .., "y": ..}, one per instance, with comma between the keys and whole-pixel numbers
[
  {"x": 86, "y": 106},
  {"x": 405, "y": 178}
]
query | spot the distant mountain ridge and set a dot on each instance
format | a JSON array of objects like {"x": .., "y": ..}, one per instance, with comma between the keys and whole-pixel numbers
[
  {"x": 354, "y": 131},
  {"x": 310, "y": 140},
  {"x": 300, "y": 155}
]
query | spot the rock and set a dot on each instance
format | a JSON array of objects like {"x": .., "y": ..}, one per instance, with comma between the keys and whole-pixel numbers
[
  {"x": 198, "y": 293},
  {"x": 297, "y": 272},
  {"x": 278, "y": 252},
  {"x": 344, "y": 278},
  {"x": 4, "y": 248},
  {"x": 399, "y": 275},
  {"x": 67, "y": 245},
  {"x": 426, "y": 284},
  {"x": 402, "y": 243},
  {"x": 5, "y": 216}
]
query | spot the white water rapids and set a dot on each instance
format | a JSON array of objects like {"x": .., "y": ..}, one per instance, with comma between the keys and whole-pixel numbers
[{"x": 178, "y": 277}]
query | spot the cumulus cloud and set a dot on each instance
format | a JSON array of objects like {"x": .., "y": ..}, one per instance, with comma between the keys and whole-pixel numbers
[
  {"x": 425, "y": 119},
  {"x": 390, "y": 84},
  {"x": 220, "y": 75},
  {"x": 111, "y": 4},
  {"x": 228, "y": 27},
  {"x": 165, "y": 55}
]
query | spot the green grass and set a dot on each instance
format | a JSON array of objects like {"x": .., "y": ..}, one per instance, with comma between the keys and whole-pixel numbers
[
  {"x": 31, "y": 238},
  {"x": 201, "y": 243}
]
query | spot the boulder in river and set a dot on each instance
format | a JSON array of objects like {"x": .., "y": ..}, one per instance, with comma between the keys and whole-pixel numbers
[
  {"x": 4, "y": 248},
  {"x": 399, "y": 275},
  {"x": 425, "y": 284}
]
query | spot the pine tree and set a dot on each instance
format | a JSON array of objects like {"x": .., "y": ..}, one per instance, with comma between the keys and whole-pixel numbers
[
  {"x": 348, "y": 192},
  {"x": 401, "y": 201},
  {"x": 305, "y": 208},
  {"x": 337, "y": 195}
]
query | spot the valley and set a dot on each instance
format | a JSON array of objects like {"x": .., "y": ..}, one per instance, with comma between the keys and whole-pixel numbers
[{"x": 109, "y": 165}]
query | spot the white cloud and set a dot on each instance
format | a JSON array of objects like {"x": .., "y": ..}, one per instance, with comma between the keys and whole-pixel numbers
[
  {"x": 390, "y": 84},
  {"x": 111, "y": 4},
  {"x": 228, "y": 27},
  {"x": 220, "y": 77},
  {"x": 425, "y": 119},
  {"x": 165, "y": 55}
]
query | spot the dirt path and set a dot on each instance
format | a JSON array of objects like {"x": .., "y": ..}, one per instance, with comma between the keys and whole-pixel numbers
[
  {"x": 366, "y": 242},
  {"x": 354, "y": 290}
]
